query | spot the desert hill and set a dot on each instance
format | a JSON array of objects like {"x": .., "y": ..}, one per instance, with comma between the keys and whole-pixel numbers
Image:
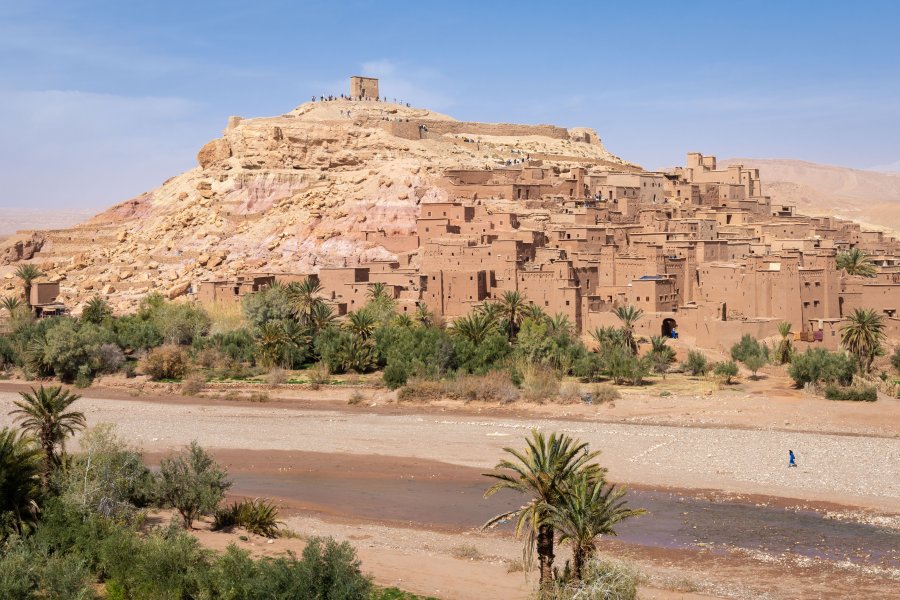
[
  {"x": 869, "y": 197},
  {"x": 289, "y": 193}
]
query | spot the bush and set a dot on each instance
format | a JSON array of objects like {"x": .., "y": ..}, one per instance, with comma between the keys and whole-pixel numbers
[
  {"x": 855, "y": 394},
  {"x": 276, "y": 376},
  {"x": 747, "y": 347},
  {"x": 111, "y": 358},
  {"x": 569, "y": 393},
  {"x": 166, "y": 362},
  {"x": 68, "y": 348},
  {"x": 818, "y": 365},
  {"x": 605, "y": 393},
  {"x": 395, "y": 376},
  {"x": 589, "y": 367},
  {"x": 622, "y": 366},
  {"x": 319, "y": 375},
  {"x": 271, "y": 304},
  {"x": 601, "y": 579},
  {"x": 344, "y": 351},
  {"x": 193, "y": 384},
  {"x": 895, "y": 359},
  {"x": 237, "y": 344},
  {"x": 696, "y": 363},
  {"x": 493, "y": 387},
  {"x": 259, "y": 516},
  {"x": 755, "y": 362},
  {"x": 134, "y": 333},
  {"x": 539, "y": 383},
  {"x": 725, "y": 370},
  {"x": 192, "y": 482}
]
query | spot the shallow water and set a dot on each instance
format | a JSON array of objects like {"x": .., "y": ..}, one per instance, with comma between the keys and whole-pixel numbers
[{"x": 455, "y": 502}]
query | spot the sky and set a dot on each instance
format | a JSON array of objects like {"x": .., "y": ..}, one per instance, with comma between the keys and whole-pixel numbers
[{"x": 101, "y": 101}]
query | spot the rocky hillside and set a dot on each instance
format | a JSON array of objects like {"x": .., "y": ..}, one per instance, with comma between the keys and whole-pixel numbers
[
  {"x": 869, "y": 197},
  {"x": 290, "y": 193}
]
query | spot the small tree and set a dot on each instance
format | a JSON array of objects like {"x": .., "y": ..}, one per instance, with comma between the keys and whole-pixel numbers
[
  {"x": 785, "y": 346},
  {"x": 696, "y": 363},
  {"x": 726, "y": 370},
  {"x": 755, "y": 362},
  {"x": 895, "y": 359},
  {"x": 193, "y": 483},
  {"x": 28, "y": 273},
  {"x": 96, "y": 311}
]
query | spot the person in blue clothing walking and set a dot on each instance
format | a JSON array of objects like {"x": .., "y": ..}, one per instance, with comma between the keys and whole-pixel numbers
[{"x": 792, "y": 460}]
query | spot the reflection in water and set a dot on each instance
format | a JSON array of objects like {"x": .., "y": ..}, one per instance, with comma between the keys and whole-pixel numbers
[{"x": 674, "y": 520}]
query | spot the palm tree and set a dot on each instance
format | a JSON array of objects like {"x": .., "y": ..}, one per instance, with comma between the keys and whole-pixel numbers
[
  {"x": 629, "y": 315},
  {"x": 403, "y": 320},
  {"x": 512, "y": 312},
  {"x": 20, "y": 482},
  {"x": 542, "y": 471},
  {"x": 303, "y": 297},
  {"x": 607, "y": 338},
  {"x": 423, "y": 315},
  {"x": 855, "y": 262},
  {"x": 534, "y": 312},
  {"x": 475, "y": 327},
  {"x": 784, "y": 347},
  {"x": 42, "y": 413},
  {"x": 588, "y": 509},
  {"x": 361, "y": 323},
  {"x": 660, "y": 354},
  {"x": 491, "y": 310},
  {"x": 28, "y": 273},
  {"x": 10, "y": 303},
  {"x": 377, "y": 291},
  {"x": 273, "y": 344},
  {"x": 559, "y": 325},
  {"x": 862, "y": 337},
  {"x": 96, "y": 310},
  {"x": 321, "y": 316}
]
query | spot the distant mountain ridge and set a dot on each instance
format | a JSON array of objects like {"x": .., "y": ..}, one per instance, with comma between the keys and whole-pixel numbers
[{"x": 870, "y": 197}]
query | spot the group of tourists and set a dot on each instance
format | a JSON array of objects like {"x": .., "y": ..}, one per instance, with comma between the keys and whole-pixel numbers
[{"x": 330, "y": 98}]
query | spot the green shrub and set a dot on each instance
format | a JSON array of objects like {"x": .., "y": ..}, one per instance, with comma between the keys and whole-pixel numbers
[
  {"x": 395, "y": 376},
  {"x": 237, "y": 344},
  {"x": 344, "y": 351},
  {"x": 134, "y": 333},
  {"x": 755, "y": 362},
  {"x": 259, "y": 516},
  {"x": 166, "y": 362},
  {"x": 192, "y": 482},
  {"x": 818, "y": 365},
  {"x": 895, "y": 359},
  {"x": 96, "y": 311},
  {"x": 696, "y": 363},
  {"x": 725, "y": 370},
  {"x": 271, "y": 304},
  {"x": 589, "y": 367},
  {"x": 67, "y": 576},
  {"x": 622, "y": 366},
  {"x": 747, "y": 347},
  {"x": 855, "y": 394}
]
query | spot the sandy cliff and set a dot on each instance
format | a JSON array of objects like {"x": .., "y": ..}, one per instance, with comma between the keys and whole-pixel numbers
[
  {"x": 869, "y": 197},
  {"x": 289, "y": 193}
]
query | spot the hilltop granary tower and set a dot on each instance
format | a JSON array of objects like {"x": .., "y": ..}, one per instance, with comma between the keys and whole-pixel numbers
[{"x": 363, "y": 87}]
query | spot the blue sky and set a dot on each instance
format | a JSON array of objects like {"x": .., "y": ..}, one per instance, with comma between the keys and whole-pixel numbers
[{"x": 100, "y": 100}]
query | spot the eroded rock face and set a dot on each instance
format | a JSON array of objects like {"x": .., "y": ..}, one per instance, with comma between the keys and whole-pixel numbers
[
  {"x": 213, "y": 152},
  {"x": 292, "y": 193},
  {"x": 21, "y": 248}
]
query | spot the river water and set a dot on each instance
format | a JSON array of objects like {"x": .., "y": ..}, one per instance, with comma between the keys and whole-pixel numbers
[{"x": 453, "y": 501}]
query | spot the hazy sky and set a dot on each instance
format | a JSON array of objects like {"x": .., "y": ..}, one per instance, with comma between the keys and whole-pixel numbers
[{"x": 100, "y": 100}]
